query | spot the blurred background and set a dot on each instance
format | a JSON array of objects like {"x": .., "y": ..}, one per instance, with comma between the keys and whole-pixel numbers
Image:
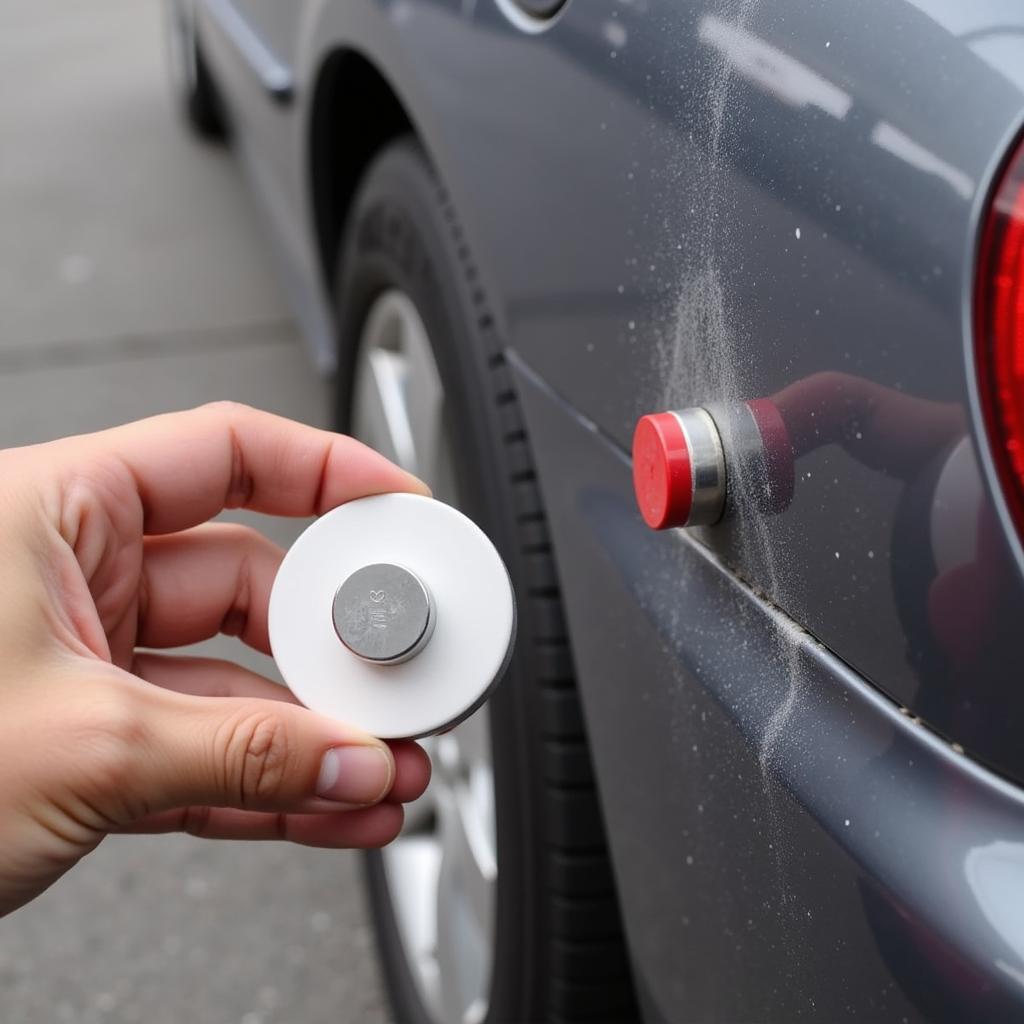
[{"x": 135, "y": 279}]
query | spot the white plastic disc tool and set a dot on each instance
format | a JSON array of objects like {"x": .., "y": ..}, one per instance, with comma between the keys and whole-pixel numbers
[{"x": 393, "y": 613}]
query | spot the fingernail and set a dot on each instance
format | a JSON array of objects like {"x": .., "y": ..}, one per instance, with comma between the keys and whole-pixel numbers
[
  {"x": 422, "y": 485},
  {"x": 354, "y": 775}
]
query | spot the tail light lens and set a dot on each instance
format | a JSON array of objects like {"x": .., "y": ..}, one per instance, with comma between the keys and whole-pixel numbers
[{"x": 999, "y": 331}]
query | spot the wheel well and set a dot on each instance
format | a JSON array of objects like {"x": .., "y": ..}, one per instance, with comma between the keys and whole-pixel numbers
[{"x": 355, "y": 113}]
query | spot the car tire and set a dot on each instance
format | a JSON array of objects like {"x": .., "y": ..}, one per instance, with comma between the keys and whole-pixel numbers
[
  {"x": 558, "y": 952},
  {"x": 194, "y": 88}
]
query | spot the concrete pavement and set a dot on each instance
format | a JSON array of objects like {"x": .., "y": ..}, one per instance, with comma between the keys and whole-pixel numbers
[{"x": 134, "y": 278}]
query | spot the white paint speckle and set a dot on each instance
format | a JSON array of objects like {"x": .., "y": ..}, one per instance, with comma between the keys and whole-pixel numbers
[
  {"x": 828, "y": 43},
  {"x": 871, "y": 554},
  {"x": 615, "y": 33},
  {"x": 837, "y": 554},
  {"x": 797, "y": 233},
  {"x": 632, "y": 325},
  {"x": 847, "y": 822}
]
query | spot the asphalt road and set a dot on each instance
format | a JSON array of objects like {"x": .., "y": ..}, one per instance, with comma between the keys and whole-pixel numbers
[{"x": 134, "y": 278}]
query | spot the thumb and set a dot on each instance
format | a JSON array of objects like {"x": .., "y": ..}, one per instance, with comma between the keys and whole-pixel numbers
[{"x": 256, "y": 754}]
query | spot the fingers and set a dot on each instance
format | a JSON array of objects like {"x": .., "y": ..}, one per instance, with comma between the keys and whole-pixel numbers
[
  {"x": 188, "y": 466},
  {"x": 248, "y": 753},
  {"x": 207, "y": 677},
  {"x": 212, "y": 579},
  {"x": 412, "y": 771},
  {"x": 366, "y": 828}
]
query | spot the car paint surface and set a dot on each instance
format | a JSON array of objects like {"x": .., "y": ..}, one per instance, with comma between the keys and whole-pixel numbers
[
  {"x": 679, "y": 202},
  {"x": 788, "y": 845}
]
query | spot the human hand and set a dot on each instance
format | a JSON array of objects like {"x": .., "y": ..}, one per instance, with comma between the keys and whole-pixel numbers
[{"x": 105, "y": 547}]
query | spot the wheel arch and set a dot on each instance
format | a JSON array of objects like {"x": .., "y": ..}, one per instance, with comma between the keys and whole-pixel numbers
[{"x": 344, "y": 136}]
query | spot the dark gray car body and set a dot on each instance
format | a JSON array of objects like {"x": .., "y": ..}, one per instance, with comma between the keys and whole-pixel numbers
[{"x": 807, "y": 727}]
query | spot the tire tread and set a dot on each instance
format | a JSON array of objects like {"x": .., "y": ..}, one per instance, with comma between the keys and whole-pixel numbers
[{"x": 590, "y": 981}]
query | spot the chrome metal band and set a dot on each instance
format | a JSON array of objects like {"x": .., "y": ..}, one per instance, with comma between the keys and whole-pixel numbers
[{"x": 707, "y": 466}]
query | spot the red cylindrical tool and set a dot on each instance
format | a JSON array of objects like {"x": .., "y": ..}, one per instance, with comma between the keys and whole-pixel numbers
[{"x": 680, "y": 462}]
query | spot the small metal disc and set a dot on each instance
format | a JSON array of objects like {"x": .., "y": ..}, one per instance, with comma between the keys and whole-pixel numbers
[{"x": 383, "y": 613}]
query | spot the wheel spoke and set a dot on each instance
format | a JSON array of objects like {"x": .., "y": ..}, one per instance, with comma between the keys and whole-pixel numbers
[
  {"x": 399, "y": 400},
  {"x": 413, "y": 866},
  {"x": 473, "y": 738},
  {"x": 380, "y": 415},
  {"x": 424, "y": 398},
  {"x": 465, "y": 897}
]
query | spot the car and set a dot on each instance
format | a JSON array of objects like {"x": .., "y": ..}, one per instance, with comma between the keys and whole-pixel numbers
[{"x": 764, "y": 761}]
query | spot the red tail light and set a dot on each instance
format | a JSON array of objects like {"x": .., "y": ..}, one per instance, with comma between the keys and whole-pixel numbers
[{"x": 999, "y": 331}]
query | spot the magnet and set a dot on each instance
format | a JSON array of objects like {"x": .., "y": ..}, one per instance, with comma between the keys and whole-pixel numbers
[
  {"x": 393, "y": 613},
  {"x": 678, "y": 469},
  {"x": 683, "y": 459},
  {"x": 384, "y": 613}
]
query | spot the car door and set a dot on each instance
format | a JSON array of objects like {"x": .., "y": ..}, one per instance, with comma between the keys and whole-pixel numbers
[
  {"x": 794, "y": 203},
  {"x": 726, "y": 202}
]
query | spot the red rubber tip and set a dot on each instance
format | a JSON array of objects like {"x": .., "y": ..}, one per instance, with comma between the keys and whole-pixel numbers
[{"x": 662, "y": 478}]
